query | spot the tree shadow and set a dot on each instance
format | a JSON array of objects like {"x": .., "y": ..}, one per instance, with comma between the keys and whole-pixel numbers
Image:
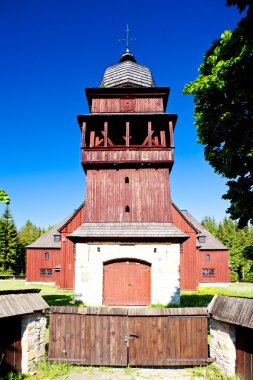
[
  {"x": 195, "y": 300},
  {"x": 59, "y": 299}
]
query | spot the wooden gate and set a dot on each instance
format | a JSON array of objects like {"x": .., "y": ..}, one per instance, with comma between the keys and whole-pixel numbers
[
  {"x": 120, "y": 337},
  {"x": 127, "y": 282},
  {"x": 244, "y": 352}
]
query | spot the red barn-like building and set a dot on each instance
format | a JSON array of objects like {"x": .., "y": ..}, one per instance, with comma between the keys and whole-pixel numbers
[
  {"x": 129, "y": 245},
  {"x": 46, "y": 257}
]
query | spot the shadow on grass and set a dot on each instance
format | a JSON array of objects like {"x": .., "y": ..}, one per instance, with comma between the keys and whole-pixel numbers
[
  {"x": 195, "y": 300},
  {"x": 59, "y": 299}
]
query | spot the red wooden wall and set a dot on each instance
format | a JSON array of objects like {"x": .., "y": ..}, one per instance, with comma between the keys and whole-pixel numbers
[
  {"x": 147, "y": 195},
  {"x": 67, "y": 276},
  {"x": 35, "y": 260},
  {"x": 111, "y": 105},
  {"x": 188, "y": 257},
  {"x": 219, "y": 261},
  {"x": 63, "y": 257}
]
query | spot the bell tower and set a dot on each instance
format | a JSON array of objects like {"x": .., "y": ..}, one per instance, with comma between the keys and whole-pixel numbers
[{"x": 127, "y": 155}]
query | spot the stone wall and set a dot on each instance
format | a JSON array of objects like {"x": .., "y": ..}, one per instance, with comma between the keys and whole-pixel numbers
[
  {"x": 222, "y": 345},
  {"x": 164, "y": 260},
  {"x": 33, "y": 331}
]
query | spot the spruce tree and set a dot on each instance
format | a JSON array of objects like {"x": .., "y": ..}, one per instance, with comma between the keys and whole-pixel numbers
[{"x": 9, "y": 244}]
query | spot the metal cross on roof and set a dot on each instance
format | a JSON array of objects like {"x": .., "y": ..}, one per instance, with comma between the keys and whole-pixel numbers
[{"x": 127, "y": 39}]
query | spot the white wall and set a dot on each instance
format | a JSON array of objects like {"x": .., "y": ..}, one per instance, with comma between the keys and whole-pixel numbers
[{"x": 165, "y": 279}]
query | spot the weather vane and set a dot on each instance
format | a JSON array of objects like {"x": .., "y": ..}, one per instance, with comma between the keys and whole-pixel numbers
[{"x": 127, "y": 39}]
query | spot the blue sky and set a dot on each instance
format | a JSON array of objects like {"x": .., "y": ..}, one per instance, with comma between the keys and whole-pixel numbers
[{"x": 52, "y": 49}]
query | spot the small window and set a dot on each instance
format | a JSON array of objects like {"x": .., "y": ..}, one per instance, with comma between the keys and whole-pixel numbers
[
  {"x": 57, "y": 238},
  {"x": 155, "y": 250},
  {"x": 47, "y": 255},
  {"x": 208, "y": 272},
  {"x": 127, "y": 180},
  {"x": 98, "y": 249},
  {"x": 46, "y": 272},
  {"x": 207, "y": 257},
  {"x": 202, "y": 239},
  {"x": 127, "y": 209}
]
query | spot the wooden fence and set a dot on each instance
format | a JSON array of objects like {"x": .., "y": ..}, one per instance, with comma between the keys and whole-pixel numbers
[{"x": 135, "y": 337}]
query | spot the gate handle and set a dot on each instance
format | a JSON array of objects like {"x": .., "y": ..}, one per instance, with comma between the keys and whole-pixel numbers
[{"x": 134, "y": 335}]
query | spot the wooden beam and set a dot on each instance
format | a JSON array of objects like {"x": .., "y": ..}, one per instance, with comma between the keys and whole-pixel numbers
[
  {"x": 105, "y": 134},
  {"x": 127, "y": 133},
  {"x": 92, "y": 139},
  {"x": 171, "y": 134},
  {"x": 83, "y": 134},
  {"x": 163, "y": 138},
  {"x": 150, "y": 133}
]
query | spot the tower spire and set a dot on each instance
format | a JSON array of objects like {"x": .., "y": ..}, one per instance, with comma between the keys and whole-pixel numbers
[{"x": 127, "y": 39}]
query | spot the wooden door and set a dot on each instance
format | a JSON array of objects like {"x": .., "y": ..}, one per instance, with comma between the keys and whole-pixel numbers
[
  {"x": 244, "y": 353},
  {"x": 127, "y": 283}
]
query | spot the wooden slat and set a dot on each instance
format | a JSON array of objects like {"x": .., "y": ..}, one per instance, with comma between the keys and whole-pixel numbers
[{"x": 98, "y": 339}]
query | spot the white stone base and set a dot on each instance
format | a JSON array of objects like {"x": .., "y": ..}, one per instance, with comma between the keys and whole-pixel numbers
[
  {"x": 214, "y": 284},
  {"x": 165, "y": 262}
]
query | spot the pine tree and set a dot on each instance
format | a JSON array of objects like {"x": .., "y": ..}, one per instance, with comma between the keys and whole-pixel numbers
[{"x": 9, "y": 244}]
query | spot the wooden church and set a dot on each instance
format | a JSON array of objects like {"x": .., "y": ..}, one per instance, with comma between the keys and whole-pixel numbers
[{"x": 128, "y": 244}]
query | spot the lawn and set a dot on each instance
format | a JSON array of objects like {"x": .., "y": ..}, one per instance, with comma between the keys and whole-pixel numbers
[{"x": 201, "y": 297}]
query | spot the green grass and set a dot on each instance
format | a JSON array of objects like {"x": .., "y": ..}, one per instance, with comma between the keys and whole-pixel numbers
[
  {"x": 51, "y": 293},
  {"x": 201, "y": 297}
]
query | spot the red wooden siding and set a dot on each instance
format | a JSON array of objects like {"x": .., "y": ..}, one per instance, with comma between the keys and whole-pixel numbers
[
  {"x": 188, "y": 257},
  {"x": 164, "y": 156},
  {"x": 111, "y": 105},
  {"x": 67, "y": 276},
  {"x": 147, "y": 195},
  {"x": 127, "y": 283},
  {"x": 36, "y": 261},
  {"x": 63, "y": 257},
  {"x": 218, "y": 261}
]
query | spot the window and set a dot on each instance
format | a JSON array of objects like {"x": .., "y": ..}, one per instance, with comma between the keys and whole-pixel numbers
[
  {"x": 98, "y": 249},
  {"x": 127, "y": 180},
  {"x": 202, "y": 239},
  {"x": 57, "y": 238},
  {"x": 127, "y": 209},
  {"x": 155, "y": 250},
  {"x": 46, "y": 272},
  {"x": 207, "y": 257},
  {"x": 47, "y": 255},
  {"x": 208, "y": 272}
]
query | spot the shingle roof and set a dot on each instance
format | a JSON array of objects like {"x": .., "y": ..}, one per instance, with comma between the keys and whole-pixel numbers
[
  {"x": 210, "y": 242},
  {"x": 47, "y": 240},
  {"x": 125, "y": 230},
  {"x": 235, "y": 310},
  {"x": 127, "y": 73},
  {"x": 21, "y": 302}
]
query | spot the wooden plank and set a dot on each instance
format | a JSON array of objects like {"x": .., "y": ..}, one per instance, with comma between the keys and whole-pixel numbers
[
  {"x": 98, "y": 340},
  {"x": 163, "y": 138},
  {"x": 106, "y": 340},
  {"x": 82, "y": 338},
  {"x": 127, "y": 133},
  {"x": 171, "y": 134},
  {"x": 84, "y": 134},
  {"x": 105, "y": 134},
  {"x": 150, "y": 132},
  {"x": 92, "y": 139}
]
